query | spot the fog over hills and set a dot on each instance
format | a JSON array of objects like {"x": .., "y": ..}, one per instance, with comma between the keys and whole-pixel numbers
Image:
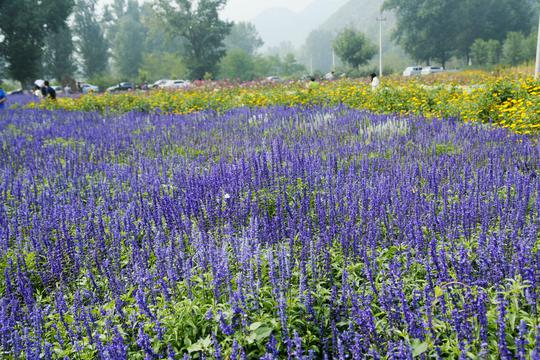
[{"x": 278, "y": 24}]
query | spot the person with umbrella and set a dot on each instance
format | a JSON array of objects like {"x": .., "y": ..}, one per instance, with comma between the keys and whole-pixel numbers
[{"x": 49, "y": 91}]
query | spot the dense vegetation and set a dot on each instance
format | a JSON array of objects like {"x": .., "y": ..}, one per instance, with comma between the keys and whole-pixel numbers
[
  {"x": 471, "y": 96},
  {"x": 184, "y": 39},
  {"x": 281, "y": 232}
]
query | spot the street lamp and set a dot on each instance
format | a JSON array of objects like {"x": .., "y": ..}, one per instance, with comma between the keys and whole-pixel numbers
[
  {"x": 537, "y": 67},
  {"x": 380, "y": 19}
]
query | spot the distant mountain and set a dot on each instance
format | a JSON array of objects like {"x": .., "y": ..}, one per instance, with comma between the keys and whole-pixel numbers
[
  {"x": 277, "y": 25},
  {"x": 359, "y": 14}
]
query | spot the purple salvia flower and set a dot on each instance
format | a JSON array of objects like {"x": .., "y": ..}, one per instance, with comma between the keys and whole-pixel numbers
[
  {"x": 504, "y": 353},
  {"x": 217, "y": 347},
  {"x": 521, "y": 341},
  {"x": 171, "y": 354},
  {"x": 143, "y": 341},
  {"x": 223, "y": 325},
  {"x": 298, "y": 352}
]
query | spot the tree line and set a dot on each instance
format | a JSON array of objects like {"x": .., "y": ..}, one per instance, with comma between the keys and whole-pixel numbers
[
  {"x": 63, "y": 39},
  {"x": 484, "y": 32}
]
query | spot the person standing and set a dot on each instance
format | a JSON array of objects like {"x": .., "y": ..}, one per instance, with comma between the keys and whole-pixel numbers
[
  {"x": 374, "y": 81},
  {"x": 313, "y": 84},
  {"x": 3, "y": 97}
]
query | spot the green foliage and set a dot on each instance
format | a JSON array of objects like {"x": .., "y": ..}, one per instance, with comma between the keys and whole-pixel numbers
[
  {"x": 58, "y": 59},
  {"x": 513, "y": 49},
  {"x": 202, "y": 29},
  {"x": 244, "y": 36},
  {"x": 91, "y": 44},
  {"x": 438, "y": 29},
  {"x": 353, "y": 47},
  {"x": 104, "y": 80},
  {"x": 291, "y": 67},
  {"x": 128, "y": 42},
  {"x": 426, "y": 28},
  {"x": 485, "y": 52},
  {"x": 318, "y": 50},
  {"x": 24, "y": 26},
  {"x": 266, "y": 65},
  {"x": 237, "y": 65},
  {"x": 158, "y": 40},
  {"x": 162, "y": 66}
]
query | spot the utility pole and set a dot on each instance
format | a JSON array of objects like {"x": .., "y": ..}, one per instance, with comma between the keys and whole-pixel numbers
[
  {"x": 380, "y": 19},
  {"x": 537, "y": 67}
]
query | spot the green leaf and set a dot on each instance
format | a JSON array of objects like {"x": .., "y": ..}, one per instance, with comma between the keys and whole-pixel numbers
[
  {"x": 419, "y": 347},
  {"x": 263, "y": 333},
  {"x": 200, "y": 345},
  {"x": 438, "y": 291},
  {"x": 251, "y": 338},
  {"x": 255, "y": 326},
  {"x": 194, "y": 347}
]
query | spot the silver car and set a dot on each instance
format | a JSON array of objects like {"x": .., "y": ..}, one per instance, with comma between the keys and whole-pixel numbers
[
  {"x": 412, "y": 70},
  {"x": 87, "y": 88}
]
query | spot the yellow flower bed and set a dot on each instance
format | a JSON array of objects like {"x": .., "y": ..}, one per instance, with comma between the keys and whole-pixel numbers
[{"x": 512, "y": 102}]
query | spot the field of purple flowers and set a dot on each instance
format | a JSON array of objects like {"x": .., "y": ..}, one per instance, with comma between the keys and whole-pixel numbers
[{"x": 300, "y": 233}]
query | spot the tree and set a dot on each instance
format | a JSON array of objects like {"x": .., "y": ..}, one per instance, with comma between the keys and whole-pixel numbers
[
  {"x": 244, "y": 36},
  {"x": 530, "y": 46},
  {"x": 438, "y": 29},
  {"x": 485, "y": 52},
  {"x": 318, "y": 50},
  {"x": 58, "y": 62},
  {"x": 91, "y": 44},
  {"x": 129, "y": 41},
  {"x": 202, "y": 29},
  {"x": 498, "y": 17},
  {"x": 291, "y": 67},
  {"x": 24, "y": 25},
  {"x": 514, "y": 49},
  {"x": 162, "y": 66},
  {"x": 237, "y": 65},
  {"x": 158, "y": 40},
  {"x": 281, "y": 50},
  {"x": 353, "y": 47},
  {"x": 427, "y": 29},
  {"x": 267, "y": 65}
]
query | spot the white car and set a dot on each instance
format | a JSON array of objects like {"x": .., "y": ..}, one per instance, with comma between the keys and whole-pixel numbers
[
  {"x": 273, "y": 79},
  {"x": 87, "y": 88},
  {"x": 159, "y": 84},
  {"x": 432, "y": 70},
  {"x": 175, "y": 84},
  {"x": 412, "y": 70}
]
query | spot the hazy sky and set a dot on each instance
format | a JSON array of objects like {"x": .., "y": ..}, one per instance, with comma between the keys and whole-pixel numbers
[{"x": 248, "y": 9}]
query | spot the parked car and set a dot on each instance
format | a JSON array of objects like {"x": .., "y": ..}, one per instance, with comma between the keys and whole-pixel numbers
[
  {"x": 175, "y": 84},
  {"x": 159, "y": 84},
  {"x": 412, "y": 70},
  {"x": 432, "y": 70},
  {"x": 123, "y": 86},
  {"x": 88, "y": 88},
  {"x": 274, "y": 79}
]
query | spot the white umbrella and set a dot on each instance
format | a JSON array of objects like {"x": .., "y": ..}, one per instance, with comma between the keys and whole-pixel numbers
[{"x": 39, "y": 82}]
